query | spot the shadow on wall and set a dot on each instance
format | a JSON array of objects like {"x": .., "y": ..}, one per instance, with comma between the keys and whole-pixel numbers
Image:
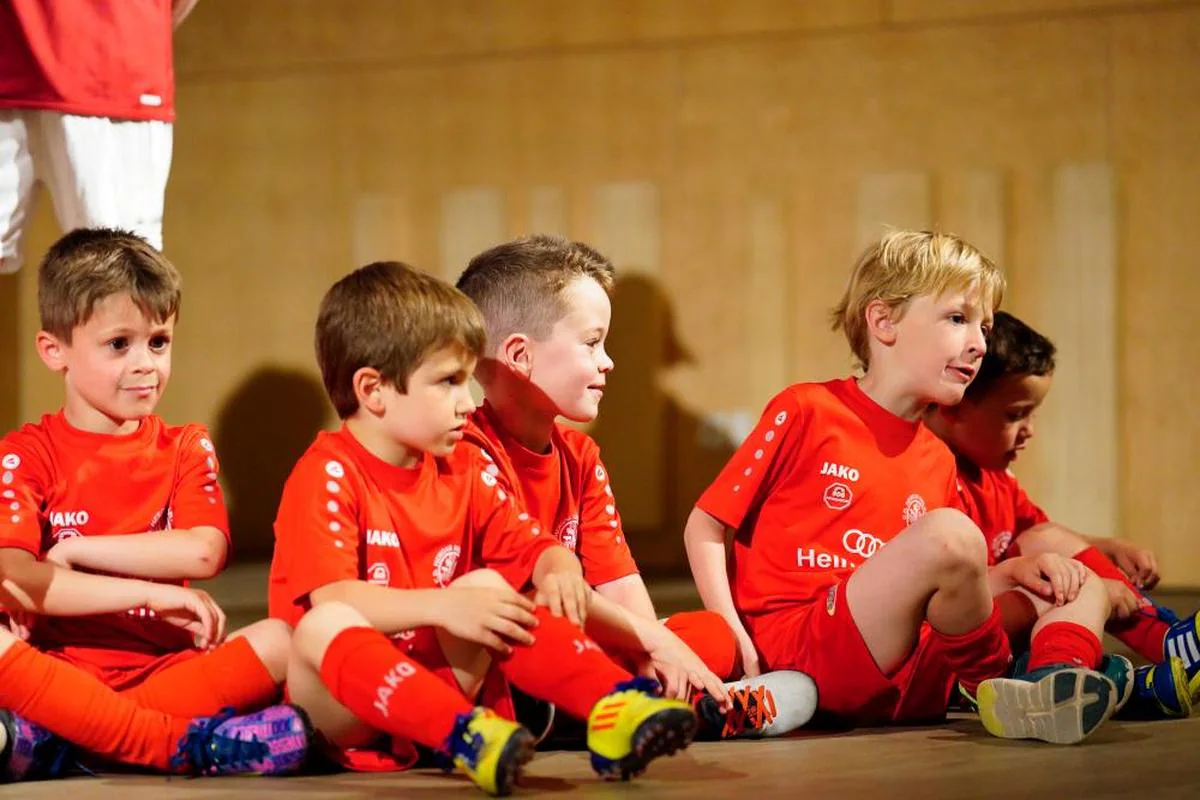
[
  {"x": 660, "y": 453},
  {"x": 263, "y": 428}
]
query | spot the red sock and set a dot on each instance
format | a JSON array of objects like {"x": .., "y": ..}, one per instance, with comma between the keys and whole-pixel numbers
[
  {"x": 563, "y": 666},
  {"x": 711, "y": 638},
  {"x": 231, "y": 676},
  {"x": 78, "y": 707},
  {"x": 1145, "y": 633},
  {"x": 1065, "y": 643},
  {"x": 389, "y": 691},
  {"x": 979, "y": 654}
]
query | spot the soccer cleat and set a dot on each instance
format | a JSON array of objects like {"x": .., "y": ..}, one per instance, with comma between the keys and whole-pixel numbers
[
  {"x": 633, "y": 725},
  {"x": 491, "y": 750},
  {"x": 1183, "y": 642},
  {"x": 1119, "y": 670},
  {"x": 32, "y": 753},
  {"x": 1060, "y": 704},
  {"x": 273, "y": 741},
  {"x": 770, "y": 705},
  {"x": 1160, "y": 690}
]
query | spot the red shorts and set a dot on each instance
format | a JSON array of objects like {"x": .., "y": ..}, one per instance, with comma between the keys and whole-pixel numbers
[
  {"x": 822, "y": 640},
  {"x": 393, "y": 753}
]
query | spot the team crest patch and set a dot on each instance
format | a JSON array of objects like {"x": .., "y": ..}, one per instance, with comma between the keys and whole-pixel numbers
[
  {"x": 379, "y": 574},
  {"x": 837, "y": 496},
  {"x": 568, "y": 533},
  {"x": 1000, "y": 544},
  {"x": 444, "y": 564},
  {"x": 914, "y": 508}
]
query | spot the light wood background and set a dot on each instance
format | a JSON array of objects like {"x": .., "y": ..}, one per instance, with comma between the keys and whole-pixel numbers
[{"x": 731, "y": 157}]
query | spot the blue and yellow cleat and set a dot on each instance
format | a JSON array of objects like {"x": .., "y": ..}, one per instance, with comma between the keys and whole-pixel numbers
[
  {"x": 491, "y": 750},
  {"x": 634, "y": 725},
  {"x": 1183, "y": 642},
  {"x": 1160, "y": 691},
  {"x": 1058, "y": 704}
]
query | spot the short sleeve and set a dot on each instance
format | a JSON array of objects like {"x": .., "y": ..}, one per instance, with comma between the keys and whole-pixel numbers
[
  {"x": 602, "y": 548},
  {"x": 24, "y": 482},
  {"x": 745, "y": 480},
  {"x": 197, "y": 499},
  {"x": 506, "y": 538}
]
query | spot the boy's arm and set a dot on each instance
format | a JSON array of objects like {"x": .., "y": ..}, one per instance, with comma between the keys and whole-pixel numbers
[
  {"x": 558, "y": 578},
  {"x": 196, "y": 553},
  {"x": 37, "y": 587},
  {"x": 195, "y": 546},
  {"x": 704, "y": 540},
  {"x": 630, "y": 593}
]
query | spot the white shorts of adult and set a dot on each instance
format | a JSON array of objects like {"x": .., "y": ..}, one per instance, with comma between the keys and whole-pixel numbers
[{"x": 101, "y": 172}]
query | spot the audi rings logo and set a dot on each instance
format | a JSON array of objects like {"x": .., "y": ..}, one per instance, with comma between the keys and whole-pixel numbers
[{"x": 860, "y": 543}]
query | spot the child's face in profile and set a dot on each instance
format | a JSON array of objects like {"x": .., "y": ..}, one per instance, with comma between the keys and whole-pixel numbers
[
  {"x": 992, "y": 430},
  {"x": 429, "y": 417},
  {"x": 116, "y": 366},
  {"x": 939, "y": 343},
  {"x": 570, "y": 366}
]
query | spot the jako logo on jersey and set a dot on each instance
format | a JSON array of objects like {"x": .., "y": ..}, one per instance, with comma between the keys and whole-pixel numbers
[
  {"x": 811, "y": 559},
  {"x": 861, "y": 543},
  {"x": 568, "y": 533},
  {"x": 69, "y": 519},
  {"x": 391, "y": 680},
  {"x": 382, "y": 538},
  {"x": 839, "y": 471},
  {"x": 1000, "y": 544},
  {"x": 837, "y": 496},
  {"x": 379, "y": 574},
  {"x": 10, "y": 461},
  {"x": 914, "y": 508},
  {"x": 444, "y": 564}
]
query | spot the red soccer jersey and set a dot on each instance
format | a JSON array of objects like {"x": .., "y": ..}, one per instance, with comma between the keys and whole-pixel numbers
[
  {"x": 347, "y": 515},
  {"x": 825, "y": 479},
  {"x": 104, "y": 58},
  {"x": 57, "y": 482},
  {"x": 566, "y": 490},
  {"x": 998, "y": 505}
]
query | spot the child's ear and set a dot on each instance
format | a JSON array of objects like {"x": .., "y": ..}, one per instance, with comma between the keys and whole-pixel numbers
[
  {"x": 516, "y": 354},
  {"x": 880, "y": 322},
  {"x": 50, "y": 350},
  {"x": 368, "y": 389}
]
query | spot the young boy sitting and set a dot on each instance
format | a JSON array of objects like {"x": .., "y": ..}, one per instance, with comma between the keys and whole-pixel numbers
[
  {"x": 545, "y": 303},
  {"x": 106, "y": 488},
  {"x": 850, "y": 561},
  {"x": 987, "y": 431},
  {"x": 402, "y": 564}
]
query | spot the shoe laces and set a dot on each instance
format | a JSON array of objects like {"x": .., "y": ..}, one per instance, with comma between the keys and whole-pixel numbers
[
  {"x": 753, "y": 708},
  {"x": 203, "y": 750}
]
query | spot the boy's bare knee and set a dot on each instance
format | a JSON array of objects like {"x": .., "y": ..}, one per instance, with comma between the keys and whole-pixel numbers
[
  {"x": 320, "y": 626},
  {"x": 481, "y": 578},
  {"x": 1094, "y": 594},
  {"x": 1051, "y": 539},
  {"x": 955, "y": 542}
]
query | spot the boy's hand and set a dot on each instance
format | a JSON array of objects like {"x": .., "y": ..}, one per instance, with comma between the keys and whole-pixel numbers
[
  {"x": 1136, "y": 562},
  {"x": 750, "y": 666},
  {"x": 565, "y": 593},
  {"x": 60, "y": 553},
  {"x": 680, "y": 671},
  {"x": 1125, "y": 603},
  {"x": 20, "y": 624},
  {"x": 1050, "y": 576},
  {"x": 558, "y": 579},
  {"x": 490, "y": 616},
  {"x": 194, "y": 610}
]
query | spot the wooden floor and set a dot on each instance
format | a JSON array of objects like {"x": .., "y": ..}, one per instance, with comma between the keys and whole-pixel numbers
[
  {"x": 957, "y": 759},
  {"x": 1126, "y": 760}
]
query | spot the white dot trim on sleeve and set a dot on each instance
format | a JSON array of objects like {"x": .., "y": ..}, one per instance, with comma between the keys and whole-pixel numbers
[
  {"x": 770, "y": 437},
  {"x": 758, "y": 454},
  {"x": 333, "y": 487},
  {"x": 737, "y": 489},
  {"x": 15, "y": 519},
  {"x": 612, "y": 523},
  {"x": 332, "y": 507},
  {"x": 610, "y": 509},
  {"x": 14, "y": 506},
  {"x": 9, "y": 494},
  {"x": 781, "y": 418},
  {"x": 335, "y": 526},
  {"x": 6, "y": 478},
  {"x": 338, "y": 543}
]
